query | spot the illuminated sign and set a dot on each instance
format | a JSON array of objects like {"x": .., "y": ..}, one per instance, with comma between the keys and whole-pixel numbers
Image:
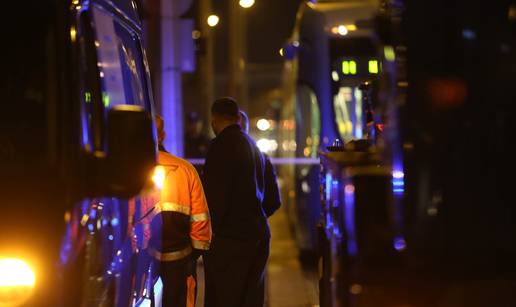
[
  {"x": 87, "y": 97},
  {"x": 105, "y": 99},
  {"x": 373, "y": 67},
  {"x": 349, "y": 67},
  {"x": 358, "y": 67}
]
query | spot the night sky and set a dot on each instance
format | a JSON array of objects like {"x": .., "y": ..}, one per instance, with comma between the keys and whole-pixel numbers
[{"x": 270, "y": 24}]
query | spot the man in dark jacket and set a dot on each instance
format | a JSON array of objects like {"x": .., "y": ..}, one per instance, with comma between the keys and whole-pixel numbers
[{"x": 234, "y": 184}]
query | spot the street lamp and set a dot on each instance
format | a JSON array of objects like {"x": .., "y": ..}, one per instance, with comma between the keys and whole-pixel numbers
[
  {"x": 246, "y": 3},
  {"x": 213, "y": 20}
]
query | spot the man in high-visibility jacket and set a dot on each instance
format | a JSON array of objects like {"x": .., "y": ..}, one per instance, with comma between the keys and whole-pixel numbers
[{"x": 180, "y": 227}]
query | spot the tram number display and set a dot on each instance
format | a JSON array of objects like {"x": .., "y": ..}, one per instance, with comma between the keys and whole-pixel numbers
[{"x": 359, "y": 67}]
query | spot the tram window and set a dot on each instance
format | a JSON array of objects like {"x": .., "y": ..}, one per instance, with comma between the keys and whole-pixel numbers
[
  {"x": 347, "y": 104},
  {"x": 89, "y": 111},
  {"x": 132, "y": 66},
  {"x": 308, "y": 122},
  {"x": 120, "y": 62}
]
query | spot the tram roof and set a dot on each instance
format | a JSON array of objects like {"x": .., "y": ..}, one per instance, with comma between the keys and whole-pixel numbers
[{"x": 348, "y": 12}]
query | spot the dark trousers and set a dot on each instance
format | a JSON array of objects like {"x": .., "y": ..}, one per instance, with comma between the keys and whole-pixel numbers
[
  {"x": 235, "y": 272},
  {"x": 174, "y": 276}
]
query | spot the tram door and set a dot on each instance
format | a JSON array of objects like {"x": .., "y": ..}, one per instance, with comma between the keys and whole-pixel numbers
[{"x": 308, "y": 130}]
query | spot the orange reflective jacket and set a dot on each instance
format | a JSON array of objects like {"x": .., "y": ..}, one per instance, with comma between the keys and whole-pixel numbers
[{"x": 179, "y": 220}]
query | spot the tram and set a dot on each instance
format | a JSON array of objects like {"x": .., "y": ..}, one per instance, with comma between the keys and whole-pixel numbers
[
  {"x": 77, "y": 147},
  {"x": 331, "y": 52},
  {"x": 442, "y": 234}
]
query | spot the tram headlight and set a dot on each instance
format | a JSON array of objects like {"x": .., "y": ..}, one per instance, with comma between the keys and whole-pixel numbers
[{"x": 17, "y": 281}]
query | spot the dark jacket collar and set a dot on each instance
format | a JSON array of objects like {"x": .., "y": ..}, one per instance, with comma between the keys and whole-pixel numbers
[{"x": 229, "y": 129}]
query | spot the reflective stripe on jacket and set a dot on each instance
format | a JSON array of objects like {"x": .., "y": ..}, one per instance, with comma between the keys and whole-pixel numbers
[{"x": 180, "y": 218}]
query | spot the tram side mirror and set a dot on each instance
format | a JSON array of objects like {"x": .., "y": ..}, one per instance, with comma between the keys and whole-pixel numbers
[{"x": 132, "y": 150}]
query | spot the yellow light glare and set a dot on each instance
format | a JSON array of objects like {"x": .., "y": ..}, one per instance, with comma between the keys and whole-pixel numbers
[
  {"x": 389, "y": 53},
  {"x": 335, "y": 76},
  {"x": 73, "y": 33},
  {"x": 196, "y": 34},
  {"x": 15, "y": 273},
  {"x": 246, "y": 3},
  {"x": 512, "y": 12},
  {"x": 158, "y": 177},
  {"x": 281, "y": 52},
  {"x": 213, "y": 20},
  {"x": 351, "y": 27},
  {"x": 67, "y": 216},
  {"x": 263, "y": 124},
  {"x": 342, "y": 30},
  {"x": 307, "y": 151}
]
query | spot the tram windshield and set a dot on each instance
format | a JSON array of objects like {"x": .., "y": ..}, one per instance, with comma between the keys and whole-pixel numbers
[{"x": 353, "y": 61}]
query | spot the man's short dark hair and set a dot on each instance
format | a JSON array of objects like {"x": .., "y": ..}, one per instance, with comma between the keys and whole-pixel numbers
[{"x": 226, "y": 107}]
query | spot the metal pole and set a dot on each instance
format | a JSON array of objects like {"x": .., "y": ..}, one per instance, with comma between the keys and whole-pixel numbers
[
  {"x": 244, "y": 99},
  {"x": 237, "y": 53},
  {"x": 206, "y": 61},
  {"x": 171, "y": 90}
]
